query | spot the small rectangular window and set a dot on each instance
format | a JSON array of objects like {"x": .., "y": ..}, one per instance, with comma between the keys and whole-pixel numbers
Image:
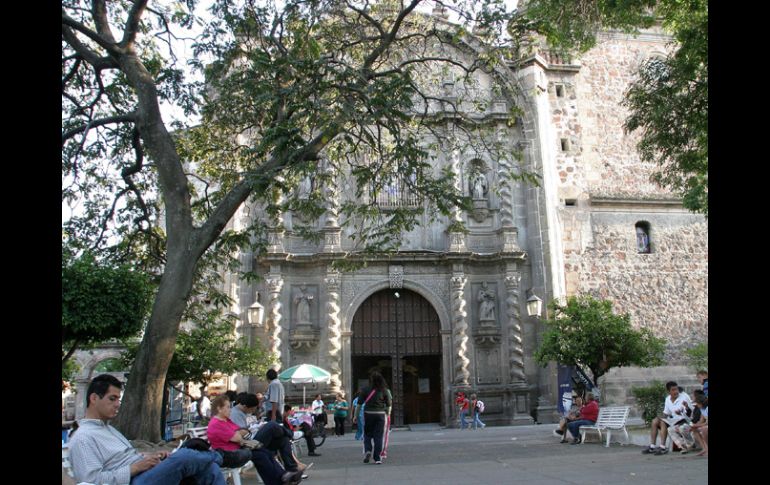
[
  {"x": 559, "y": 91},
  {"x": 565, "y": 144},
  {"x": 570, "y": 202}
]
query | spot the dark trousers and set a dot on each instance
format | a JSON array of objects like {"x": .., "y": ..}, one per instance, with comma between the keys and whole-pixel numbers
[
  {"x": 374, "y": 434},
  {"x": 307, "y": 431},
  {"x": 268, "y": 468},
  {"x": 277, "y": 439},
  {"x": 339, "y": 426},
  {"x": 235, "y": 458}
]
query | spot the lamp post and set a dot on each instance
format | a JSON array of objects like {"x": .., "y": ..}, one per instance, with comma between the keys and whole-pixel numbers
[
  {"x": 534, "y": 305},
  {"x": 255, "y": 315},
  {"x": 256, "y": 312}
]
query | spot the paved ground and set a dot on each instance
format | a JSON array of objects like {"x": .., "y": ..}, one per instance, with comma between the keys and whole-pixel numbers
[{"x": 496, "y": 455}]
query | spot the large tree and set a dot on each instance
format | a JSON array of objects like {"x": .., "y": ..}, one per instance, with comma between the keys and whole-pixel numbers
[
  {"x": 585, "y": 332},
  {"x": 668, "y": 102},
  {"x": 286, "y": 84}
]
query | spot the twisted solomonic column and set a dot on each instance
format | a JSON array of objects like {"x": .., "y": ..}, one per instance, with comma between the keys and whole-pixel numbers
[
  {"x": 456, "y": 238},
  {"x": 274, "y": 328},
  {"x": 332, "y": 281},
  {"x": 506, "y": 192},
  {"x": 460, "y": 330},
  {"x": 515, "y": 342}
]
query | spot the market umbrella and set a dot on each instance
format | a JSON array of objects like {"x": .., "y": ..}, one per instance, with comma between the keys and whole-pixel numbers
[{"x": 305, "y": 374}]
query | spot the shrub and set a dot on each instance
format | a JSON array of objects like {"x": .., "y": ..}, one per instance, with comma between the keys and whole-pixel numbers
[
  {"x": 698, "y": 356},
  {"x": 649, "y": 399}
]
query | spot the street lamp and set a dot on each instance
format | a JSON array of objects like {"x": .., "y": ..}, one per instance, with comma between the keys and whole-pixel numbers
[
  {"x": 534, "y": 305},
  {"x": 256, "y": 312}
]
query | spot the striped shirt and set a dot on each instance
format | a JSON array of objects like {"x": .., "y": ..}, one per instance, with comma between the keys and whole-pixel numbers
[{"x": 101, "y": 454}]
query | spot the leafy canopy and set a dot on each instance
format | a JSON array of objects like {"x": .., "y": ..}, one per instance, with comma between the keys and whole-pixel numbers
[
  {"x": 101, "y": 301},
  {"x": 586, "y": 333},
  {"x": 209, "y": 348}
]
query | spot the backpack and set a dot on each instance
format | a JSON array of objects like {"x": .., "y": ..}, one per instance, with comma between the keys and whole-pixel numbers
[{"x": 480, "y": 405}]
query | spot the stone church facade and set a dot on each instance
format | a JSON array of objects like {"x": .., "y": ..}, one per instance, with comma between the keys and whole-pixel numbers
[{"x": 448, "y": 311}]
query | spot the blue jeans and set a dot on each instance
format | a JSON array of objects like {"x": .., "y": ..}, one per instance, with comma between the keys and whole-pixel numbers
[
  {"x": 574, "y": 426},
  {"x": 203, "y": 465},
  {"x": 477, "y": 421},
  {"x": 463, "y": 423}
]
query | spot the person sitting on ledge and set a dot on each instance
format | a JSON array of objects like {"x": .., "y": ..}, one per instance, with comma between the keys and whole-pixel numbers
[{"x": 101, "y": 454}]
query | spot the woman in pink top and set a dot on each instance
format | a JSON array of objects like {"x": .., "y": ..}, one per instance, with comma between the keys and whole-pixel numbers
[
  {"x": 226, "y": 436},
  {"x": 589, "y": 413}
]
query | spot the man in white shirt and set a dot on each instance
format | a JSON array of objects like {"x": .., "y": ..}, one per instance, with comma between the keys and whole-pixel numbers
[
  {"x": 101, "y": 454},
  {"x": 677, "y": 408},
  {"x": 317, "y": 408}
]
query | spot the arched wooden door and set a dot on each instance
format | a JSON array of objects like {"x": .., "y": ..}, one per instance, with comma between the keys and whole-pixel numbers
[{"x": 397, "y": 333}]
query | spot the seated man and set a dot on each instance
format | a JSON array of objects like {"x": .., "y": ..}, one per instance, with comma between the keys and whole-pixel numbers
[
  {"x": 682, "y": 434},
  {"x": 676, "y": 408},
  {"x": 101, "y": 454},
  {"x": 304, "y": 429},
  {"x": 275, "y": 439},
  {"x": 588, "y": 416},
  {"x": 245, "y": 405}
]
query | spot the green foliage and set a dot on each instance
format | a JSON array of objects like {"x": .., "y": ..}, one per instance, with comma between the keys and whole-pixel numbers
[
  {"x": 698, "y": 356},
  {"x": 650, "y": 399},
  {"x": 668, "y": 102},
  {"x": 211, "y": 347},
  {"x": 573, "y": 24},
  {"x": 585, "y": 332},
  {"x": 673, "y": 92},
  {"x": 101, "y": 301},
  {"x": 69, "y": 368}
]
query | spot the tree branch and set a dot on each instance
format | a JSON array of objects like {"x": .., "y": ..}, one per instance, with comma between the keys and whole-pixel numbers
[
  {"x": 132, "y": 23},
  {"x": 110, "y": 47},
  {"x": 126, "y": 118}
]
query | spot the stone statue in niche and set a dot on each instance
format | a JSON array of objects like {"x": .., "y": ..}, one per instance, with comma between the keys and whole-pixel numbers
[
  {"x": 486, "y": 299},
  {"x": 305, "y": 187},
  {"x": 479, "y": 190},
  {"x": 479, "y": 186},
  {"x": 303, "y": 301}
]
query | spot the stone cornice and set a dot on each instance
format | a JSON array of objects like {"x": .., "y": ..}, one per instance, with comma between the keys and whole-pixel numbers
[{"x": 618, "y": 204}]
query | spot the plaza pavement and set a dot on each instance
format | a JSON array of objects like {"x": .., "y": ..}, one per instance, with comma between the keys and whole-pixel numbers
[{"x": 496, "y": 455}]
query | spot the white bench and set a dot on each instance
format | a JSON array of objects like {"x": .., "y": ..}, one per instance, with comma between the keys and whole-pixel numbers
[
  {"x": 234, "y": 473},
  {"x": 610, "y": 419}
]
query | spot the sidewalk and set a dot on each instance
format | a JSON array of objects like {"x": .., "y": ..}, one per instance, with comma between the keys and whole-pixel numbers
[{"x": 497, "y": 455}]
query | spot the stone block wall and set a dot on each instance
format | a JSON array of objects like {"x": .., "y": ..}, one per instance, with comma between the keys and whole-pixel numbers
[{"x": 609, "y": 161}]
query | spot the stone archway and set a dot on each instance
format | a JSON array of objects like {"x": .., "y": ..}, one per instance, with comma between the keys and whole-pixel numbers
[{"x": 398, "y": 333}]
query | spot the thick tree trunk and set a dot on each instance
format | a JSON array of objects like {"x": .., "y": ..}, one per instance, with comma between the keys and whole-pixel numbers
[{"x": 140, "y": 412}]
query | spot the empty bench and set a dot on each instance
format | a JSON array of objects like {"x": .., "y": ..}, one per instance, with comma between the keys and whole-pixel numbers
[{"x": 610, "y": 419}]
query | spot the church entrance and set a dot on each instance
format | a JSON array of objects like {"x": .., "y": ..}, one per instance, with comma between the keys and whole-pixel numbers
[{"x": 396, "y": 332}]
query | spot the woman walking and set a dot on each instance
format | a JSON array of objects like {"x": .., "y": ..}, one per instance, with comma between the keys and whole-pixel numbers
[{"x": 378, "y": 403}]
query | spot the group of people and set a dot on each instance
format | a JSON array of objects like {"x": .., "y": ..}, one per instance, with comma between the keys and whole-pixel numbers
[
  {"x": 469, "y": 407},
  {"x": 579, "y": 414},
  {"x": 101, "y": 454},
  {"x": 684, "y": 419}
]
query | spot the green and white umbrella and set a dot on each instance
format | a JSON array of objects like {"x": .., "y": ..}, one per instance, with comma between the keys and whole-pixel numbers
[{"x": 305, "y": 374}]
